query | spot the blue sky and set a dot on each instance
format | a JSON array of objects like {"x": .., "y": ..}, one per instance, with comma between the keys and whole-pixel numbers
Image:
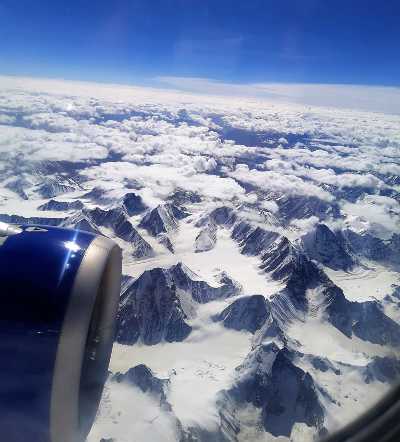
[{"x": 312, "y": 41}]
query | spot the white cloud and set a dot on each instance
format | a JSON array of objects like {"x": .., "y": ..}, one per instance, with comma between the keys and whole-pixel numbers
[
  {"x": 308, "y": 146},
  {"x": 42, "y": 145},
  {"x": 369, "y": 98},
  {"x": 271, "y": 206},
  {"x": 271, "y": 181},
  {"x": 202, "y": 164},
  {"x": 380, "y": 214},
  {"x": 356, "y": 159},
  {"x": 160, "y": 181},
  {"x": 7, "y": 119},
  {"x": 326, "y": 176},
  {"x": 306, "y": 224}
]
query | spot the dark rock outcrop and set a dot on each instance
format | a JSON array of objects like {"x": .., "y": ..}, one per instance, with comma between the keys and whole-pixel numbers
[
  {"x": 17, "y": 219},
  {"x": 200, "y": 290},
  {"x": 162, "y": 219},
  {"x": 116, "y": 220},
  {"x": 143, "y": 378},
  {"x": 53, "y": 187},
  {"x": 62, "y": 206},
  {"x": 328, "y": 248},
  {"x": 376, "y": 249},
  {"x": 309, "y": 291},
  {"x": 223, "y": 216},
  {"x": 97, "y": 195},
  {"x": 181, "y": 197},
  {"x": 269, "y": 379},
  {"x": 253, "y": 240},
  {"x": 133, "y": 204},
  {"x": 206, "y": 239},
  {"x": 383, "y": 369},
  {"x": 247, "y": 313},
  {"x": 81, "y": 221},
  {"x": 300, "y": 207},
  {"x": 151, "y": 311},
  {"x": 165, "y": 241}
]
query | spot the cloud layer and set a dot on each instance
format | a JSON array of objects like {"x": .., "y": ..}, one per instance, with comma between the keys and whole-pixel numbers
[
  {"x": 366, "y": 98},
  {"x": 229, "y": 150}
]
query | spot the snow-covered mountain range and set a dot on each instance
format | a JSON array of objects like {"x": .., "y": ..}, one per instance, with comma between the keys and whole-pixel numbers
[{"x": 261, "y": 292}]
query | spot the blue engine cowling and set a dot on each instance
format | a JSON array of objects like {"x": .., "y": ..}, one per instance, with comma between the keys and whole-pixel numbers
[{"x": 59, "y": 298}]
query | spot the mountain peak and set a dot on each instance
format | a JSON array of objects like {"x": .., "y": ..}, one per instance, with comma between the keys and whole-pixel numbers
[
  {"x": 246, "y": 313},
  {"x": 133, "y": 204},
  {"x": 285, "y": 393},
  {"x": 151, "y": 311},
  {"x": 162, "y": 219},
  {"x": 328, "y": 248}
]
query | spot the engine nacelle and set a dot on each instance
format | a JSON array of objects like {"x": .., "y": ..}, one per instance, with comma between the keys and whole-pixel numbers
[{"x": 59, "y": 299}]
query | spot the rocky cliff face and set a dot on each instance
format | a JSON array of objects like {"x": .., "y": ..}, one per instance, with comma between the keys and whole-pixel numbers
[
  {"x": 383, "y": 369},
  {"x": 143, "y": 378},
  {"x": 207, "y": 238},
  {"x": 286, "y": 394},
  {"x": 151, "y": 311},
  {"x": 97, "y": 195},
  {"x": 200, "y": 290},
  {"x": 53, "y": 187},
  {"x": 133, "y": 204},
  {"x": 308, "y": 290},
  {"x": 328, "y": 248},
  {"x": 247, "y": 313},
  {"x": 300, "y": 206},
  {"x": 18, "y": 219},
  {"x": 61, "y": 206},
  {"x": 114, "y": 219},
  {"x": 182, "y": 197},
  {"x": 252, "y": 240},
  {"x": 376, "y": 249},
  {"x": 162, "y": 219}
]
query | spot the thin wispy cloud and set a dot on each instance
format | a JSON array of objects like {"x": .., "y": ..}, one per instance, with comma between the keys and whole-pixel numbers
[{"x": 366, "y": 98}]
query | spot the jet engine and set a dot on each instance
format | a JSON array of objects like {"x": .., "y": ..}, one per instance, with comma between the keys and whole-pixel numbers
[{"x": 59, "y": 299}]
